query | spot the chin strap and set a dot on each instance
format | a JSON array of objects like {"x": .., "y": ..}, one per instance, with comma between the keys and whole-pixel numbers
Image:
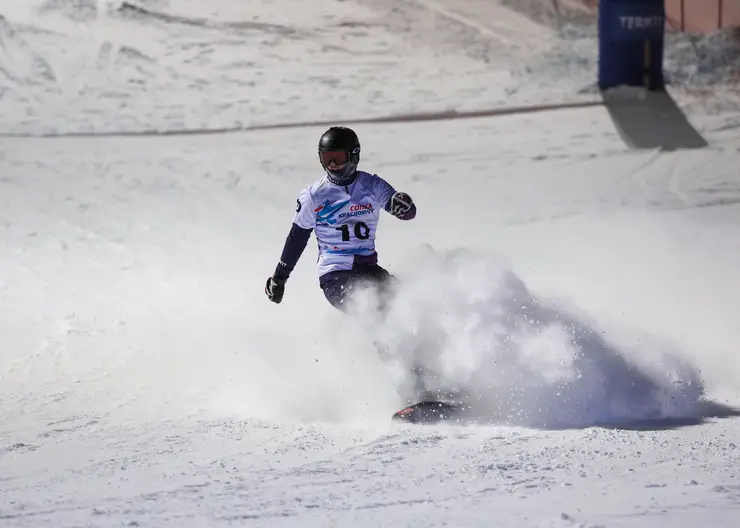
[{"x": 343, "y": 179}]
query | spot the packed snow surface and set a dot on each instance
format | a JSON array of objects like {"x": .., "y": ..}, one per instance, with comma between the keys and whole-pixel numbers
[{"x": 574, "y": 270}]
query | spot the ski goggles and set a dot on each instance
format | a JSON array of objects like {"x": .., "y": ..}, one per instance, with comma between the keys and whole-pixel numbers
[{"x": 338, "y": 157}]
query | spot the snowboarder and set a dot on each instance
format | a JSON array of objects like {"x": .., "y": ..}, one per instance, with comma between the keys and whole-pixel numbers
[{"x": 343, "y": 207}]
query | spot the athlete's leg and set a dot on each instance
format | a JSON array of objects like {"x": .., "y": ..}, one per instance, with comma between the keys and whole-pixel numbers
[
  {"x": 385, "y": 284},
  {"x": 338, "y": 288},
  {"x": 342, "y": 285}
]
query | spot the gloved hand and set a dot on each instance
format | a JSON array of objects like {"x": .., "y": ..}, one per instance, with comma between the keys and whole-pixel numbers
[
  {"x": 275, "y": 288},
  {"x": 401, "y": 203}
]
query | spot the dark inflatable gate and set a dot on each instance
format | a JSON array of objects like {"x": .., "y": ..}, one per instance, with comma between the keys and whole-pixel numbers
[{"x": 631, "y": 35}]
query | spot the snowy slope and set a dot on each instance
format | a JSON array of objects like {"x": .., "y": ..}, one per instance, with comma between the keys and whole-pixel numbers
[
  {"x": 188, "y": 66},
  {"x": 146, "y": 381}
]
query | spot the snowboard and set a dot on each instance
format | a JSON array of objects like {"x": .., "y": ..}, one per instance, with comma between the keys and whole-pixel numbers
[{"x": 428, "y": 412}]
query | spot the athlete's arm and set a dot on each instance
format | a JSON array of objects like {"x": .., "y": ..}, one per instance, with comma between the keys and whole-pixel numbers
[
  {"x": 399, "y": 204},
  {"x": 295, "y": 243},
  {"x": 303, "y": 223}
]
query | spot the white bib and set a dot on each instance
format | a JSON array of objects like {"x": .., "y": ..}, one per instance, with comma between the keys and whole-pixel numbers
[{"x": 345, "y": 218}]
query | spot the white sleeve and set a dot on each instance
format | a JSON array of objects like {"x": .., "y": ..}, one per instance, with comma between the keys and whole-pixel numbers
[
  {"x": 304, "y": 212},
  {"x": 382, "y": 190}
]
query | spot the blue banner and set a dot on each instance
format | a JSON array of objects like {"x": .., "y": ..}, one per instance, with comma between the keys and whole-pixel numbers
[{"x": 625, "y": 26}]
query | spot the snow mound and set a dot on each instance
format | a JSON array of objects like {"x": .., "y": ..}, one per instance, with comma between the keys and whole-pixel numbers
[
  {"x": 703, "y": 60},
  {"x": 78, "y": 10},
  {"x": 556, "y": 14}
]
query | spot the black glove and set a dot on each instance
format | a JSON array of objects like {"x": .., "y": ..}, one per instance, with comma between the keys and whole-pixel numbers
[
  {"x": 400, "y": 204},
  {"x": 275, "y": 288}
]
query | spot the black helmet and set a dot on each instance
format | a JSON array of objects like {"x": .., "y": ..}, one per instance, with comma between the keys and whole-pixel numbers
[{"x": 340, "y": 148}]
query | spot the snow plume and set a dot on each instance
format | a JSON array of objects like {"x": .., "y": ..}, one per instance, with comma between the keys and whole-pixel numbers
[{"x": 476, "y": 331}]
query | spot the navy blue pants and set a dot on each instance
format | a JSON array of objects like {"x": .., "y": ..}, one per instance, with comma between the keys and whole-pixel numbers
[{"x": 339, "y": 286}]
